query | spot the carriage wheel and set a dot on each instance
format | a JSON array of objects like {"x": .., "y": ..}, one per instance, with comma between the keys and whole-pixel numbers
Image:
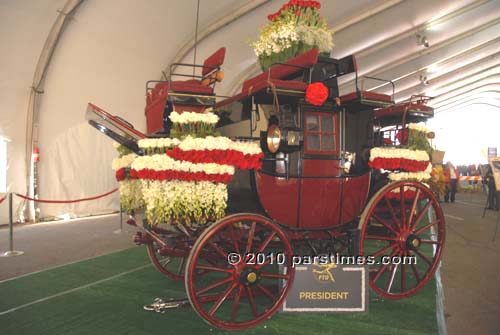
[
  {"x": 402, "y": 219},
  {"x": 241, "y": 295},
  {"x": 170, "y": 265}
]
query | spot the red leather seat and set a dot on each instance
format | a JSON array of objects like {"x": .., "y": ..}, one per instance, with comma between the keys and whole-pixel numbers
[
  {"x": 157, "y": 97},
  {"x": 365, "y": 95}
]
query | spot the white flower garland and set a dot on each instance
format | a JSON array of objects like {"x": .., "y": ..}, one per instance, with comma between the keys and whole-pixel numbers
[
  {"x": 418, "y": 127},
  {"x": 131, "y": 194},
  {"x": 148, "y": 143},
  {"x": 193, "y": 117},
  {"x": 219, "y": 143},
  {"x": 162, "y": 162},
  {"x": 181, "y": 201},
  {"x": 391, "y": 152},
  {"x": 123, "y": 162}
]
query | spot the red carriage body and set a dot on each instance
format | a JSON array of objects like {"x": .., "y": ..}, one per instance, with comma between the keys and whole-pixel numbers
[{"x": 310, "y": 188}]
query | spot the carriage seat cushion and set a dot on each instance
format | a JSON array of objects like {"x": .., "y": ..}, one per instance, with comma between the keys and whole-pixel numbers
[
  {"x": 278, "y": 84},
  {"x": 191, "y": 86},
  {"x": 397, "y": 110},
  {"x": 365, "y": 95},
  {"x": 280, "y": 71}
]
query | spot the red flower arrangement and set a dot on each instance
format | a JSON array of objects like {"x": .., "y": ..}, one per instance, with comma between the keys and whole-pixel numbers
[
  {"x": 294, "y": 5},
  {"x": 120, "y": 174},
  {"x": 179, "y": 175},
  {"x": 409, "y": 165},
  {"x": 316, "y": 94},
  {"x": 407, "y": 194},
  {"x": 225, "y": 157}
]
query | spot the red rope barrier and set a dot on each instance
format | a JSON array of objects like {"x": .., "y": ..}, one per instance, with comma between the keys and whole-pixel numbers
[
  {"x": 65, "y": 201},
  {"x": 2, "y": 199}
]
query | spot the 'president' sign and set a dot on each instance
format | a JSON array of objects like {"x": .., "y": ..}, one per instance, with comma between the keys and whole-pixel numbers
[{"x": 333, "y": 288}]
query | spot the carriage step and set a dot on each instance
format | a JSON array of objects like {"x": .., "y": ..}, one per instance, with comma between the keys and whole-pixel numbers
[{"x": 160, "y": 305}]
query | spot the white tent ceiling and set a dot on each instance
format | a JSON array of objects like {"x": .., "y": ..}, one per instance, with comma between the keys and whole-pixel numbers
[{"x": 109, "y": 49}]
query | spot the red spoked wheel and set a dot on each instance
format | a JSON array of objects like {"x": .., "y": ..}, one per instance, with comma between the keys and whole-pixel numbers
[
  {"x": 237, "y": 294},
  {"x": 170, "y": 260},
  {"x": 402, "y": 219}
]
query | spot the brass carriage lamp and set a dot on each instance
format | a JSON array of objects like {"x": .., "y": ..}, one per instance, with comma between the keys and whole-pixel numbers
[{"x": 277, "y": 139}]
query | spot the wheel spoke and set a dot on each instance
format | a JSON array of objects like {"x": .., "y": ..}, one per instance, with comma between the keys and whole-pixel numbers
[
  {"x": 427, "y": 226},
  {"x": 429, "y": 241},
  {"x": 414, "y": 207},
  {"x": 250, "y": 238},
  {"x": 426, "y": 259},
  {"x": 251, "y": 301},
  {"x": 391, "y": 279},
  {"x": 181, "y": 265},
  {"x": 381, "y": 238},
  {"x": 233, "y": 239},
  {"x": 213, "y": 268},
  {"x": 381, "y": 251},
  {"x": 379, "y": 220},
  {"x": 165, "y": 261},
  {"x": 273, "y": 275},
  {"x": 403, "y": 274},
  {"x": 222, "y": 298},
  {"x": 218, "y": 249},
  {"x": 391, "y": 210},
  {"x": 260, "y": 266},
  {"x": 266, "y": 292},
  {"x": 383, "y": 268},
  {"x": 236, "y": 303},
  {"x": 214, "y": 285},
  {"x": 402, "y": 206},
  {"x": 421, "y": 215},
  {"x": 415, "y": 271},
  {"x": 266, "y": 242}
]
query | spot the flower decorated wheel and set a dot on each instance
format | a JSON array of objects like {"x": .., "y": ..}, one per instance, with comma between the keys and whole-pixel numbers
[
  {"x": 247, "y": 284},
  {"x": 403, "y": 229}
]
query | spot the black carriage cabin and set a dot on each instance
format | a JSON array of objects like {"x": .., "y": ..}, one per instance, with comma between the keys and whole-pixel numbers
[{"x": 299, "y": 135}]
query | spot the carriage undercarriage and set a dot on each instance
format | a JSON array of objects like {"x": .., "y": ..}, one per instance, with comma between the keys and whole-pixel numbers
[{"x": 388, "y": 227}]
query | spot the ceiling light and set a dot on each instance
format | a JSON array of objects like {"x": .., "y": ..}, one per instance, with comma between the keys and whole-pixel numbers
[
  {"x": 423, "y": 79},
  {"x": 422, "y": 40}
]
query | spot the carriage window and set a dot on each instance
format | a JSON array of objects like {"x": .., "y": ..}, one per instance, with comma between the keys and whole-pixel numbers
[{"x": 320, "y": 132}]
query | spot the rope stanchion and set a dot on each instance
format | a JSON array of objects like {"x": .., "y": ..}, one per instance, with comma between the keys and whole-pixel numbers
[
  {"x": 11, "y": 251},
  {"x": 66, "y": 201}
]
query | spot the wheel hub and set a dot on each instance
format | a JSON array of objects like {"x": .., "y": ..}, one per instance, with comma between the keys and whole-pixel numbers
[
  {"x": 413, "y": 242},
  {"x": 249, "y": 276}
]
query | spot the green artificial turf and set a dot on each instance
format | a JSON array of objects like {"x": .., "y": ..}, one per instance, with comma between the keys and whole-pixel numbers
[{"x": 115, "y": 306}]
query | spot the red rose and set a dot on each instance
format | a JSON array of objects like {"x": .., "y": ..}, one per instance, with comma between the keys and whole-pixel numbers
[
  {"x": 297, "y": 12},
  {"x": 316, "y": 94},
  {"x": 120, "y": 174}
]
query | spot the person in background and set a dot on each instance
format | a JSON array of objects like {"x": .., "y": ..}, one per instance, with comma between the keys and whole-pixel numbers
[
  {"x": 452, "y": 175},
  {"x": 492, "y": 202}
]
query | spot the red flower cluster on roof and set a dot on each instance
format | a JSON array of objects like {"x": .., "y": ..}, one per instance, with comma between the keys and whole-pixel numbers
[{"x": 295, "y": 6}]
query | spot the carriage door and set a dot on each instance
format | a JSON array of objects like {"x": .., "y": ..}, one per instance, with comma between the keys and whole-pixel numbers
[{"x": 320, "y": 184}]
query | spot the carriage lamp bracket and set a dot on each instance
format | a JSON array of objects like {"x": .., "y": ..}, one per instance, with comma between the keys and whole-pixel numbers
[{"x": 254, "y": 109}]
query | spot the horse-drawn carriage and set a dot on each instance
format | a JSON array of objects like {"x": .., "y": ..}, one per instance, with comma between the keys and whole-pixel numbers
[{"x": 337, "y": 175}]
